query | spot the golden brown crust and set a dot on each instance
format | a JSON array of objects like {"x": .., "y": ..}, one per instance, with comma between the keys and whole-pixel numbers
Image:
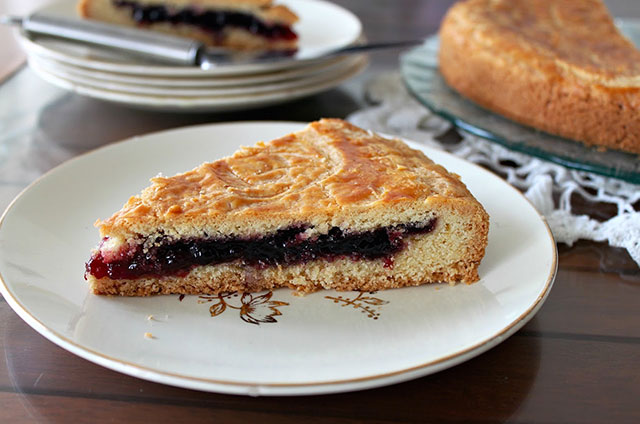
[
  {"x": 238, "y": 282},
  {"x": 562, "y": 67},
  {"x": 235, "y": 38},
  {"x": 331, "y": 174}
]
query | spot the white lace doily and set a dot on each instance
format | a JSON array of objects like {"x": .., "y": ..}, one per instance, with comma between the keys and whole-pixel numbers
[{"x": 396, "y": 112}]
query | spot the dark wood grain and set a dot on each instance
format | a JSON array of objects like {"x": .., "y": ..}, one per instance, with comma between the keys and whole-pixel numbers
[
  {"x": 571, "y": 376},
  {"x": 575, "y": 362}
]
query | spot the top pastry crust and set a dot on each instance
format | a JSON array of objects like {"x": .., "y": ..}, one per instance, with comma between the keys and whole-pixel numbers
[
  {"x": 330, "y": 174},
  {"x": 578, "y": 38}
]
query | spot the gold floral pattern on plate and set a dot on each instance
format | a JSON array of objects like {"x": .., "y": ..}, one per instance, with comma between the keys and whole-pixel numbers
[
  {"x": 367, "y": 304},
  {"x": 254, "y": 308},
  {"x": 261, "y": 309}
]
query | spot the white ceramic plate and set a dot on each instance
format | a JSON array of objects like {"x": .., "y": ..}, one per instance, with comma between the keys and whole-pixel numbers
[
  {"x": 79, "y": 73},
  {"x": 339, "y": 69},
  {"x": 321, "y": 343},
  {"x": 311, "y": 29},
  {"x": 245, "y": 100}
]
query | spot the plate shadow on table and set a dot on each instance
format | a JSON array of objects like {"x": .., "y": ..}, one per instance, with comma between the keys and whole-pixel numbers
[{"x": 494, "y": 385}]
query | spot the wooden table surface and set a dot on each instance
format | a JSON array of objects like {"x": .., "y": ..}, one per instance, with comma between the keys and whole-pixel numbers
[{"x": 577, "y": 360}]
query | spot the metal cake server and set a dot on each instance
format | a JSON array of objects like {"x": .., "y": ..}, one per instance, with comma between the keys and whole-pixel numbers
[{"x": 171, "y": 49}]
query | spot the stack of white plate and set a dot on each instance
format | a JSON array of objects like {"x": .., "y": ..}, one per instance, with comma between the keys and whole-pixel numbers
[{"x": 117, "y": 78}]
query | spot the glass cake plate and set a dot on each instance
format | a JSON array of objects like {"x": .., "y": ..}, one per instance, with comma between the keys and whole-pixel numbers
[{"x": 422, "y": 77}]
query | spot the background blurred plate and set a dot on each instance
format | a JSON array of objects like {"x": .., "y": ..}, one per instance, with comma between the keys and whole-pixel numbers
[
  {"x": 245, "y": 100},
  {"x": 78, "y": 72},
  {"x": 315, "y": 15},
  {"x": 291, "y": 83}
]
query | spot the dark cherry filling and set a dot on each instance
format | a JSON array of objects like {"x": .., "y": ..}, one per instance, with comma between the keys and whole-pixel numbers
[
  {"x": 285, "y": 247},
  {"x": 213, "y": 21}
]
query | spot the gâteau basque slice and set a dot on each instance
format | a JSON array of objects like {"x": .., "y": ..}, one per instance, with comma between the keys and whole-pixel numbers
[{"x": 332, "y": 206}]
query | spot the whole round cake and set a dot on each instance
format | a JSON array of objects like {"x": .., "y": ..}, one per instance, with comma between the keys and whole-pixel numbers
[{"x": 559, "y": 66}]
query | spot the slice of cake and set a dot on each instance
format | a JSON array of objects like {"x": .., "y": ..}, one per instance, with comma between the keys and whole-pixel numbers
[
  {"x": 332, "y": 206},
  {"x": 236, "y": 24},
  {"x": 560, "y": 66}
]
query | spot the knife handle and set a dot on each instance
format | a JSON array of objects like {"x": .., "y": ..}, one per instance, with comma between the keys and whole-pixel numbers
[{"x": 178, "y": 50}]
